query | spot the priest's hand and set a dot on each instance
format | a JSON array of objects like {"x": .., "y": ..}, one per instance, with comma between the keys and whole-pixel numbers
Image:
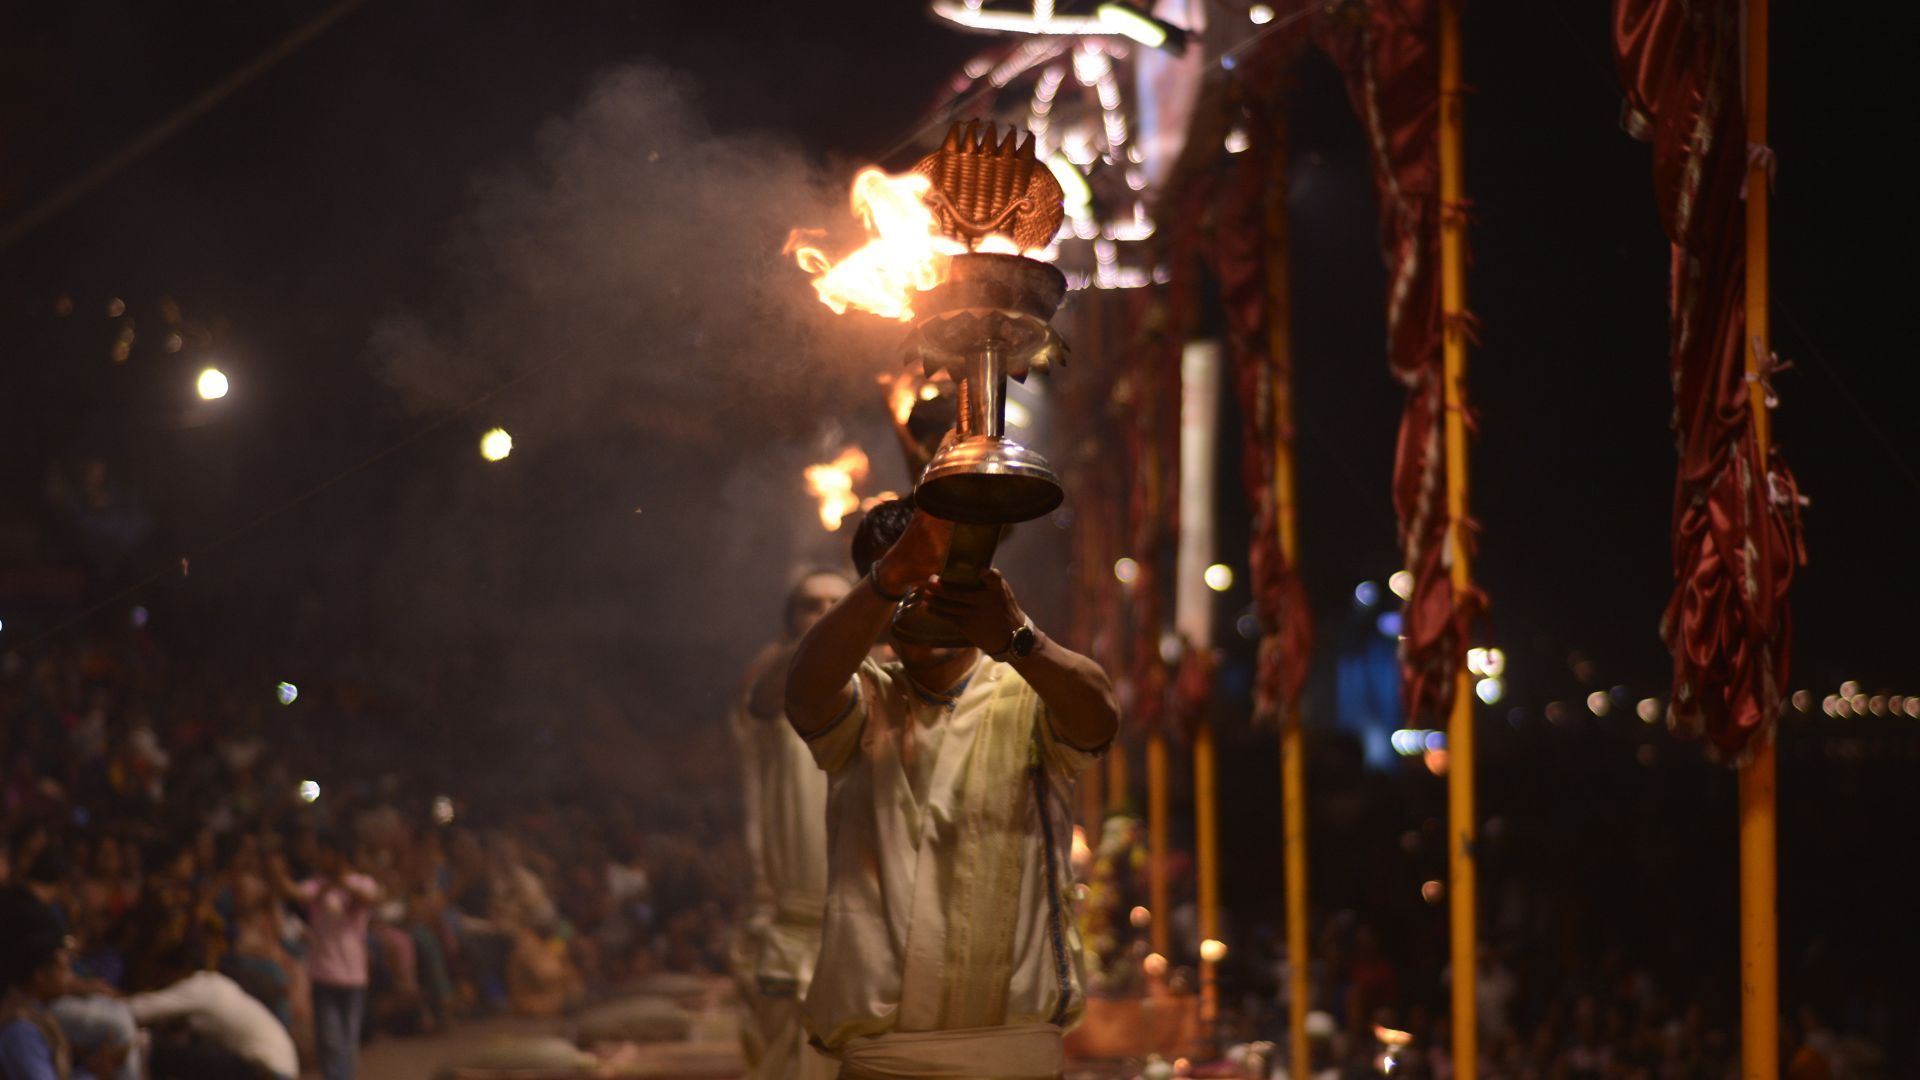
[
  {"x": 988, "y": 614},
  {"x": 918, "y": 555}
]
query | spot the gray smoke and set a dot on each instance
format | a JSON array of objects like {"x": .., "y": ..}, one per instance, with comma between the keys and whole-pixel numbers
[
  {"x": 620, "y": 304},
  {"x": 632, "y": 277}
]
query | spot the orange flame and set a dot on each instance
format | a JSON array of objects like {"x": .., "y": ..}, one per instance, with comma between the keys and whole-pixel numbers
[
  {"x": 832, "y": 482},
  {"x": 905, "y": 253},
  {"x": 902, "y": 391}
]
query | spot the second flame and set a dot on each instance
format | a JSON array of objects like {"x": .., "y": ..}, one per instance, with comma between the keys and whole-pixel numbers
[{"x": 833, "y": 483}]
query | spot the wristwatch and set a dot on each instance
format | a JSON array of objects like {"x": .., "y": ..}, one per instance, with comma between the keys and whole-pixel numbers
[{"x": 1020, "y": 646}]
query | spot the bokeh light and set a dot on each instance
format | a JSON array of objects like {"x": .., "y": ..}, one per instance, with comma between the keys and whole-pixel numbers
[
  {"x": 1140, "y": 918},
  {"x": 1599, "y": 704},
  {"x": 212, "y": 384},
  {"x": 1213, "y": 950},
  {"x": 1433, "y": 892},
  {"x": 1401, "y": 584},
  {"x": 1490, "y": 689},
  {"x": 442, "y": 810},
  {"x": 496, "y": 444},
  {"x": 1366, "y": 594},
  {"x": 309, "y": 791},
  {"x": 287, "y": 693},
  {"x": 1487, "y": 662},
  {"x": 1125, "y": 570},
  {"x": 1260, "y": 14},
  {"x": 1219, "y": 577}
]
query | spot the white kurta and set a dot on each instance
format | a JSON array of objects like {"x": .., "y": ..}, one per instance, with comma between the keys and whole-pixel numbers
[
  {"x": 947, "y": 903},
  {"x": 786, "y": 807}
]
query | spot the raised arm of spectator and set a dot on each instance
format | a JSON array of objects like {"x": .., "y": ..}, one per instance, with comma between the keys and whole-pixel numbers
[
  {"x": 820, "y": 679},
  {"x": 281, "y": 882}
]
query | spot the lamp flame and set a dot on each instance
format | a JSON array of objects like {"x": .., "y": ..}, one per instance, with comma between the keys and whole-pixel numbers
[
  {"x": 903, "y": 392},
  {"x": 905, "y": 252},
  {"x": 832, "y": 482}
]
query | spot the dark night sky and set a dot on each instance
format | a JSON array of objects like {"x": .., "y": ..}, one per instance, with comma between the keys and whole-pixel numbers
[{"x": 324, "y": 196}]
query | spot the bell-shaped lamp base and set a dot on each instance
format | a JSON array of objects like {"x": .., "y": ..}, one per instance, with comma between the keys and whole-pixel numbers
[{"x": 990, "y": 481}]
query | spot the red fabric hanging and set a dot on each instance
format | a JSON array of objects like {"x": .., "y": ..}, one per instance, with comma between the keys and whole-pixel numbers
[
  {"x": 1736, "y": 537},
  {"x": 1388, "y": 51},
  {"x": 1240, "y": 257}
]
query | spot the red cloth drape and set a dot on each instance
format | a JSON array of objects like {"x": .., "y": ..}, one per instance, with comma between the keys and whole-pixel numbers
[
  {"x": 1735, "y": 533},
  {"x": 1240, "y": 250},
  {"x": 1153, "y": 395},
  {"x": 1388, "y": 51}
]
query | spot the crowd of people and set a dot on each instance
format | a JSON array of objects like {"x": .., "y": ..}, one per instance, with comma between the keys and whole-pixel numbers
[{"x": 180, "y": 902}]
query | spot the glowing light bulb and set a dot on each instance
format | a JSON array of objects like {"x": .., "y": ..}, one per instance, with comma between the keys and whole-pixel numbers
[
  {"x": 1219, "y": 577},
  {"x": 496, "y": 444},
  {"x": 212, "y": 384}
]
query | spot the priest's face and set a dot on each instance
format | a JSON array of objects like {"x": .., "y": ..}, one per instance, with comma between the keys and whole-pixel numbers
[{"x": 929, "y": 659}]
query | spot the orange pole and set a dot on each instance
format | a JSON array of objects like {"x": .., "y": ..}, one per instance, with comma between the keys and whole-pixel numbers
[
  {"x": 1461, "y": 815},
  {"x": 1157, "y": 841},
  {"x": 1759, "y": 846},
  {"x": 1207, "y": 872},
  {"x": 1293, "y": 767},
  {"x": 1117, "y": 779}
]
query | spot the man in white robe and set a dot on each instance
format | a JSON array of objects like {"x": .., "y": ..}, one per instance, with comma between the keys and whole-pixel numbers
[
  {"x": 949, "y": 948},
  {"x": 786, "y": 818}
]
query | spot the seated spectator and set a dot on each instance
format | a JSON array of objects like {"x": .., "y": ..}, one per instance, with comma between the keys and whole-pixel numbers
[
  {"x": 226, "y": 1023},
  {"x": 34, "y": 972}
]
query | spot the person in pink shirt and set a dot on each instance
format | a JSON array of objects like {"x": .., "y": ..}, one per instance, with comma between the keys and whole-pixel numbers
[{"x": 338, "y": 903}]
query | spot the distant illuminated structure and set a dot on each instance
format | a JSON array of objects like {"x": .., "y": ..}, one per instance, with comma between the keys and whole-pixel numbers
[{"x": 1072, "y": 81}]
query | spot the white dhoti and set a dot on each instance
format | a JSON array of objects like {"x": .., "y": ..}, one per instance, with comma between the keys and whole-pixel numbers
[
  {"x": 1019, "y": 1052},
  {"x": 949, "y": 948}
]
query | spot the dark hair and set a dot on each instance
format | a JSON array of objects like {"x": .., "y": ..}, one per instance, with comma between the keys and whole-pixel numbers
[
  {"x": 51, "y": 866},
  {"x": 31, "y": 936},
  {"x": 878, "y": 531}
]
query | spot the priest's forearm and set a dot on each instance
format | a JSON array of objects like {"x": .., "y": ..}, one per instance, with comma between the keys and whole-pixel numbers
[
  {"x": 820, "y": 679},
  {"x": 1077, "y": 692}
]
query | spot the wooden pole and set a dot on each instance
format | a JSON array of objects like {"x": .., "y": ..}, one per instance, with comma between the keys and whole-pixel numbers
[
  {"x": 1207, "y": 872},
  {"x": 1117, "y": 779},
  {"x": 1293, "y": 767},
  {"x": 1460, "y": 743},
  {"x": 1091, "y": 804},
  {"x": 1759, "y": 848},
  {"x": 1157, "y": 841}
]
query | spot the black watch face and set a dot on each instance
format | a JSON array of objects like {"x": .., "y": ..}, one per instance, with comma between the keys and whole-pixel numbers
[{"x": 1023, "y": 640}]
